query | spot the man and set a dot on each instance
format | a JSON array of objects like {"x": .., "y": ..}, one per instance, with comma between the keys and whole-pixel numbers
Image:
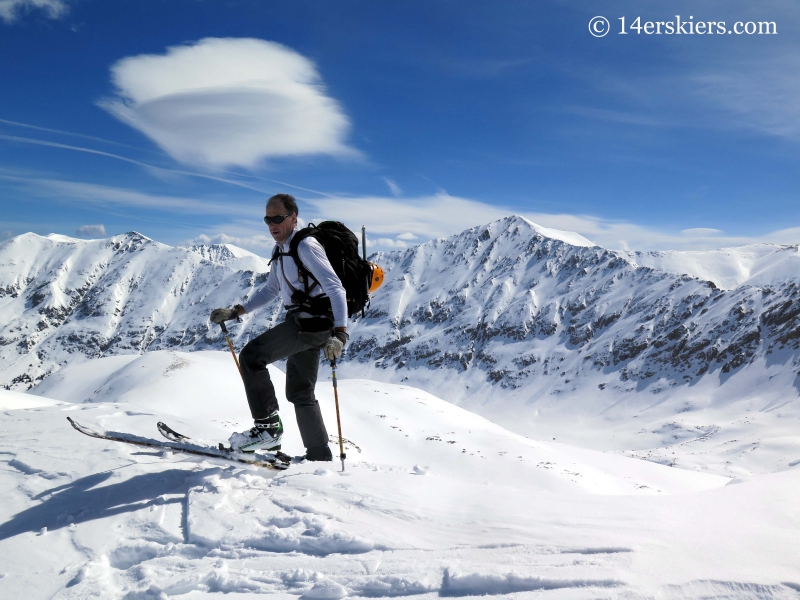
[{"x": 298, "y": 339}]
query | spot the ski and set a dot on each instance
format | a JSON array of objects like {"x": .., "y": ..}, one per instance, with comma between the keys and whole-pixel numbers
[
  {"x": 172, "y": 435},
  {"x": 181, "y": 446}
]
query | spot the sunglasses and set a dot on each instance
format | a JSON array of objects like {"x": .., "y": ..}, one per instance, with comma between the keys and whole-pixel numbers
[{"x": 277, "y": 220}]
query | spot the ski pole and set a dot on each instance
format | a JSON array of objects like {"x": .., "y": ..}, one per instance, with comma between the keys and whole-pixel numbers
[
  {"x": 363, "y": 252},
  {"x": 230, "y": 345},
  {"x": 342, "y": 455}
]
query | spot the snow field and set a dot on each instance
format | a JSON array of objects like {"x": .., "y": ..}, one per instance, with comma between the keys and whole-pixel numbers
[
  {"x": 728, "y": 268},
  {"x": 413, "y": 515},
  {"x": 382, "y": 424},
  {"x": 14, "y": 400},
  {"x": 747, "y": 427}
]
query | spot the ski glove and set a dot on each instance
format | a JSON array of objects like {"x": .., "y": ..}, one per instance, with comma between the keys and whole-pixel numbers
[
  {"x": 218, "y": 315},
  {"x": 333, "y": 347}
]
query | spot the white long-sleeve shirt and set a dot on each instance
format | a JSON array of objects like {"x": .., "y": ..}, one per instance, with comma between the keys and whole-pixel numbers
[{"x": 314, "y": 259}]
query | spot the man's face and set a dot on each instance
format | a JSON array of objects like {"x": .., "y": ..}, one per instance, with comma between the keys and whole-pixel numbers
[{"x": 280, "y": 231}]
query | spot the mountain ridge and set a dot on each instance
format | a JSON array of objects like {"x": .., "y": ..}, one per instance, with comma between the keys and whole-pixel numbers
[
  {"x": 521, "y": 308},
  {"x": 531, "y": 331}
]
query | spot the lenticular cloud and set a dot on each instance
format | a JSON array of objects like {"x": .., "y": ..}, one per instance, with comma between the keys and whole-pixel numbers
[{"x": 229, "y": 102}]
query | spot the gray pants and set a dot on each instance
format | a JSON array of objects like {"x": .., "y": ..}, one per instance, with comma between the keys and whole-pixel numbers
[{"x": 298, "y": 340}]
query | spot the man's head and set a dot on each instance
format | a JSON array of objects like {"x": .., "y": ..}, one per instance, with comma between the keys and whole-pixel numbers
[{"x": 281, "y": 205}]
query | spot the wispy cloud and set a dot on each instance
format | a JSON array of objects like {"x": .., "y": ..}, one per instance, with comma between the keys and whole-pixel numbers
[
  {"x": 486, "y": 68},
  {"x": 102, "y": 195},
  {"x": 393, "y": 187},
  {"x": 614, "y": 116},
  {"x": 91, "y": 231},
  {"x": 724, "y": 83},
  {"x": 37, "y": 142},
  {"x": 69, "y": 133},
  {"x": 761, "y": 94},
  {"x": 11, "y": 10},
  {"x": 229, "y": 102},
  {"x": 701, "y": 231},
  {"x": 241, "y": 181},
  {"x": 391, "y": 223}
]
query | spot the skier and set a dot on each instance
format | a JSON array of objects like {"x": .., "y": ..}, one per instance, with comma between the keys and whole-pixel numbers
[{"x": 298, "y": 339}]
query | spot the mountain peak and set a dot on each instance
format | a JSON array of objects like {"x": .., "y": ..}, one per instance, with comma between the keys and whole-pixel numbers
[
  {"x": 568, "y": 237},
  {"x": 134, "y": 236}
]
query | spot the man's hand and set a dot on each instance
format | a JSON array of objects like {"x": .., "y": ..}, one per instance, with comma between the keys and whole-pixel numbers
[
  {"x": 333, "y": 347},
  {"x": 220, "y": 315}
]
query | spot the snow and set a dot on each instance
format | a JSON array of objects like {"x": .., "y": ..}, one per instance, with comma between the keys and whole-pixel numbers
[
  {"x": 728, "y": 268},
  {"x": 65, "y": 300},
  {"x": 568, "y": 237},
  {"x": 12, "y": 400},
  {"x": 551, "y": 340},
  {"x": 413, "y": 514},
  {"x": 232, "y": 256},
  {"x": 524, "y": 414}
]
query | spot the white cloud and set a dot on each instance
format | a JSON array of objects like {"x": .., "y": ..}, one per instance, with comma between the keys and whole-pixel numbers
[
  {"x": 229, "y": 102},
  {"x": 390, "y": 243},
  {"x": 91, "y": 231},
  {"x": 701, "y": 231},
  {"x": 442, "y": 215},
  {"x": 4, "y": 235},
  {"x": 10, "y": 10},
  {"x": 427, "y": 216},
  {"x": 258, "y": 243},
  {"x": 407, "y": 236},
  {"x": 393, "y": 187}
]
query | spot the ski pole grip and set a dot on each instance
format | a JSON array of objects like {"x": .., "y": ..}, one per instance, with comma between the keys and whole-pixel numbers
[{"x": 224, "y": 329}]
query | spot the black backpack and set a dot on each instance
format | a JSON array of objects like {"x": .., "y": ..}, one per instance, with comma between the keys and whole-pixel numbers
[{"x": 341, "y": 248}]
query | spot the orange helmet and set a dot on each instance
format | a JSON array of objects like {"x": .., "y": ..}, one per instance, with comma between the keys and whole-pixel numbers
[{"x": 377, "y": 278}]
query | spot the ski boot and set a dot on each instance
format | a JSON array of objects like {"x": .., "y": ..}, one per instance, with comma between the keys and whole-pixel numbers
[{"x": 265, "y": 435}]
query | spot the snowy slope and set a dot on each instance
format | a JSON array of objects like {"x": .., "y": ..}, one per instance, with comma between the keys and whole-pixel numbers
[
  {"x": 14, "y": 400},
  {"x": 729, "y": 268},
  {"x": 386, "y": 423},
  {"x": 411, "y": 516}
]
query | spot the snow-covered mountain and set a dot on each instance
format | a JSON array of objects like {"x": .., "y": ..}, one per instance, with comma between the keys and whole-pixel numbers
[
  {"x": 532, "y": 331},
  {"x": 729, "y": 268},
  {"x": 524, "y": 309},
  {"x": 66, "y": 299}
]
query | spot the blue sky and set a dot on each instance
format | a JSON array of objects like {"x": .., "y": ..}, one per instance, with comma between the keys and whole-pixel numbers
[{"x": 418, "y": 119}]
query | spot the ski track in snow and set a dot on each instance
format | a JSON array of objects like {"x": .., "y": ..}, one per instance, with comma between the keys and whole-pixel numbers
[{"x": 413, "y": 515}]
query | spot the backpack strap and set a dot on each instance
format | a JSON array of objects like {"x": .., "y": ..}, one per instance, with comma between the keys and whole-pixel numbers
[
  {"x": 299, "y": 236},
  {"x": 301, "y": 299}
]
